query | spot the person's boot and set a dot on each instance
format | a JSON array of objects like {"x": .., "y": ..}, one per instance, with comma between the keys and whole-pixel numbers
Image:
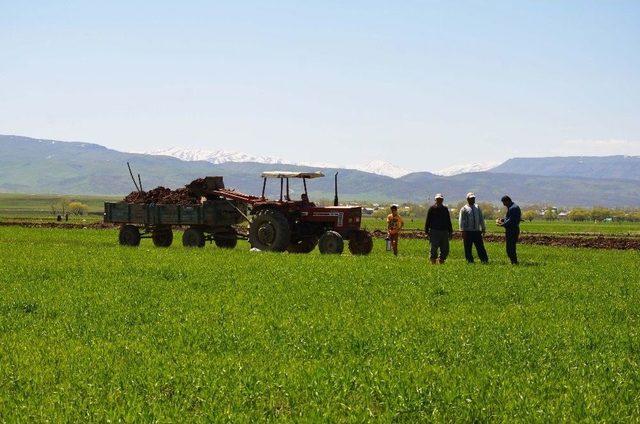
[
  {"x": 433, "y": 261},
  {"x": 441, "y": 261}
]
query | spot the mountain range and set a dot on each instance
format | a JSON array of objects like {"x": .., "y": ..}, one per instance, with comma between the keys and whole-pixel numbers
[
  {"x": 617, "y": 167},
  {"x": 222, "y": 156},
  {"x": 29, "y": 165}
]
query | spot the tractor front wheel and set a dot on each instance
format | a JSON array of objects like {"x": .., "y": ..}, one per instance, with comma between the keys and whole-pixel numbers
[
  {"x": 193, "y": 237},
  {"x": 129, "y": 235},
  {"x": 331, "y": 242},
  {"x": 162, "y": 237},
  {"x": 305, "y": 245},
  {"x": 269, "y": 230},
  {"x": 360, "y": 243}
]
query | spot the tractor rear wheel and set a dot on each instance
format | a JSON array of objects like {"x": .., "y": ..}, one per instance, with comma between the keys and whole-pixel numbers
[
  {"x": 360, "y": 243},
  {"x": 331, "y": 243},
  {"x": 193, "y": 237},
  {"x": 225, "y": 240},
  {"x": 305, "y": 245},
  {"x": 162, "y": 237},
  {"x": 129, "y": 235},
  {"x": 269, "y": 230}
]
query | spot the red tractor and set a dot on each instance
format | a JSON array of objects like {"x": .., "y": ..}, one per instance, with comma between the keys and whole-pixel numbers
[{"x": 299, "y": 225}]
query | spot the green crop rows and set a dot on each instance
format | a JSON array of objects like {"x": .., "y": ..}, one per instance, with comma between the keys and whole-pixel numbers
[{"x": 91, "y": 331}]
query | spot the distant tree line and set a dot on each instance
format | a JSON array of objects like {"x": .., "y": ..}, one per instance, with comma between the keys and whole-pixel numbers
[{"x": 601, "y": 214}]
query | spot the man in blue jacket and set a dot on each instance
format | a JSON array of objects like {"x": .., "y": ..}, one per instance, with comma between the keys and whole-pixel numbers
[{"x": 511, "y": 224}]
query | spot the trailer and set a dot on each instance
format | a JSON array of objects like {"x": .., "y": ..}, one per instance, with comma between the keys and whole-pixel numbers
[{"x": 212, "y": 220}]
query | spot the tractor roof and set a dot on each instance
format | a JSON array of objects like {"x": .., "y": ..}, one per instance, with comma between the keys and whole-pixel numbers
[{"x": 288, "y": 174}]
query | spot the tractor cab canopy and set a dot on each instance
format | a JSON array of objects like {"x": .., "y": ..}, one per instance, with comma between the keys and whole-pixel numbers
[
  {"x": 289, "y": 174},
  {"x": 284, "y": 176}
]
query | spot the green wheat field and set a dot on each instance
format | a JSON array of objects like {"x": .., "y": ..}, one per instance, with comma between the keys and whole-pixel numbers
[{"x": 94, "y": 332}]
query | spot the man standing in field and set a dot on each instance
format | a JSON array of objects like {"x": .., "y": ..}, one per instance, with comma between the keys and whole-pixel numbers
[
  {"x": 511, "y": 224},
  {"x": 394, "y": 225},
  {"x": 439, "y": 230},
  {"x": 473, "y": 228}
]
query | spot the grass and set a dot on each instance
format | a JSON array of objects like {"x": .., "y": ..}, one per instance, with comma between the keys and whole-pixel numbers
[{"x": 91, "y": 331}]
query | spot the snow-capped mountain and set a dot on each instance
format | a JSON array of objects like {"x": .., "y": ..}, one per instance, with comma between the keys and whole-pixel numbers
[
  {"x": 465, "y": 168},
  {"x": 212, "y": 156},
  {"x": 381, "y": 167},
  {"x": 222, "y": 156}
]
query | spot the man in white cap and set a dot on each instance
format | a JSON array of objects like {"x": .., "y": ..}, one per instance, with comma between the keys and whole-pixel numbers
[
  {"x": 439, "y": 230},
  {"x": 473, "y": 228}
]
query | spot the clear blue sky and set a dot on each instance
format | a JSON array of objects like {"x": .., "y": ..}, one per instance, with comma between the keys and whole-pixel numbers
[{"x": 421, "y": 84}]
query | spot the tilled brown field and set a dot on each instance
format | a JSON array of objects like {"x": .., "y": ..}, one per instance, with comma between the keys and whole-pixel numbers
[
  {"x": 62, "y": 225},
  {"x": 587, "y": 241}
]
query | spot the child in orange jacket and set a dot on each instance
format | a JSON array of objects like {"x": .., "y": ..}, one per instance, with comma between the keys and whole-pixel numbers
[{"x": 394, "y": 225}]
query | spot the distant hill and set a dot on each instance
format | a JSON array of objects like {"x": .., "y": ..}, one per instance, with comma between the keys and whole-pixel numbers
[
  {"x": 48, "y": 166},
  {"x": 601, "y": 167},
  {"x": 30, "y": 165}
]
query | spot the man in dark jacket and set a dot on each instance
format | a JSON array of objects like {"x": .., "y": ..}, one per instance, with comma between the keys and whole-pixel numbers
[
  {"x": 439, "y": 230},
  {"x": 511, "y": 224}
]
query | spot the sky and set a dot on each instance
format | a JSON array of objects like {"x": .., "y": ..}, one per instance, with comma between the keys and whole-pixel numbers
[{"x": 423, "y": 85}]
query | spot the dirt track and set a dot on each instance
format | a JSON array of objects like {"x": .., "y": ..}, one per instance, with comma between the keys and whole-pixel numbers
[{"x": 573, "y": 240}]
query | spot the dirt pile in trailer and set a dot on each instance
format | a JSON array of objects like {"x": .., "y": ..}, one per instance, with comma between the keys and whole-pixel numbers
[
  {"x": 199, "y": 185},
  {"x": 162, "y": 195},
  {"x": 187, "y": 195}
]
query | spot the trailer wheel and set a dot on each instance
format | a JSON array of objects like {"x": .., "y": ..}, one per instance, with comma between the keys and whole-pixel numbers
[
  {"x": 331, "y": 243},
  {"x": 269, "y": 230},
  {"x": 305, "y": 245},
  {"x": 225, "y": 241},
  {"x": 361, "y": 243},
  {"x": 129, "y": 235},
  {"x": 162, "y": 237},
  {"x": 193, "y": 237}
]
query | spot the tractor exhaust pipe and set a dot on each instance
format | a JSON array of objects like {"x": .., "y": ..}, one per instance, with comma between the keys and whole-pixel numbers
[{"x": 335, "y": 185}]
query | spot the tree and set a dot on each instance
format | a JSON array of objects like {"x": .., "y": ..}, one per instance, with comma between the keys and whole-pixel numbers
[
  {"x": 579, "y": 214},
  {"x": 550, "y": 215},
  {"x": 529, "y": 215},
  {"x": 488, "y": 210},
  {"x": 380, "y": 213},
  {"x": 59, "y": 206},
  {"x": 600, "y": 213},
  {"x": 64, "y": 202},
  {"x": 77, "y": 208},
  {"x": 419, "y": 211}
]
